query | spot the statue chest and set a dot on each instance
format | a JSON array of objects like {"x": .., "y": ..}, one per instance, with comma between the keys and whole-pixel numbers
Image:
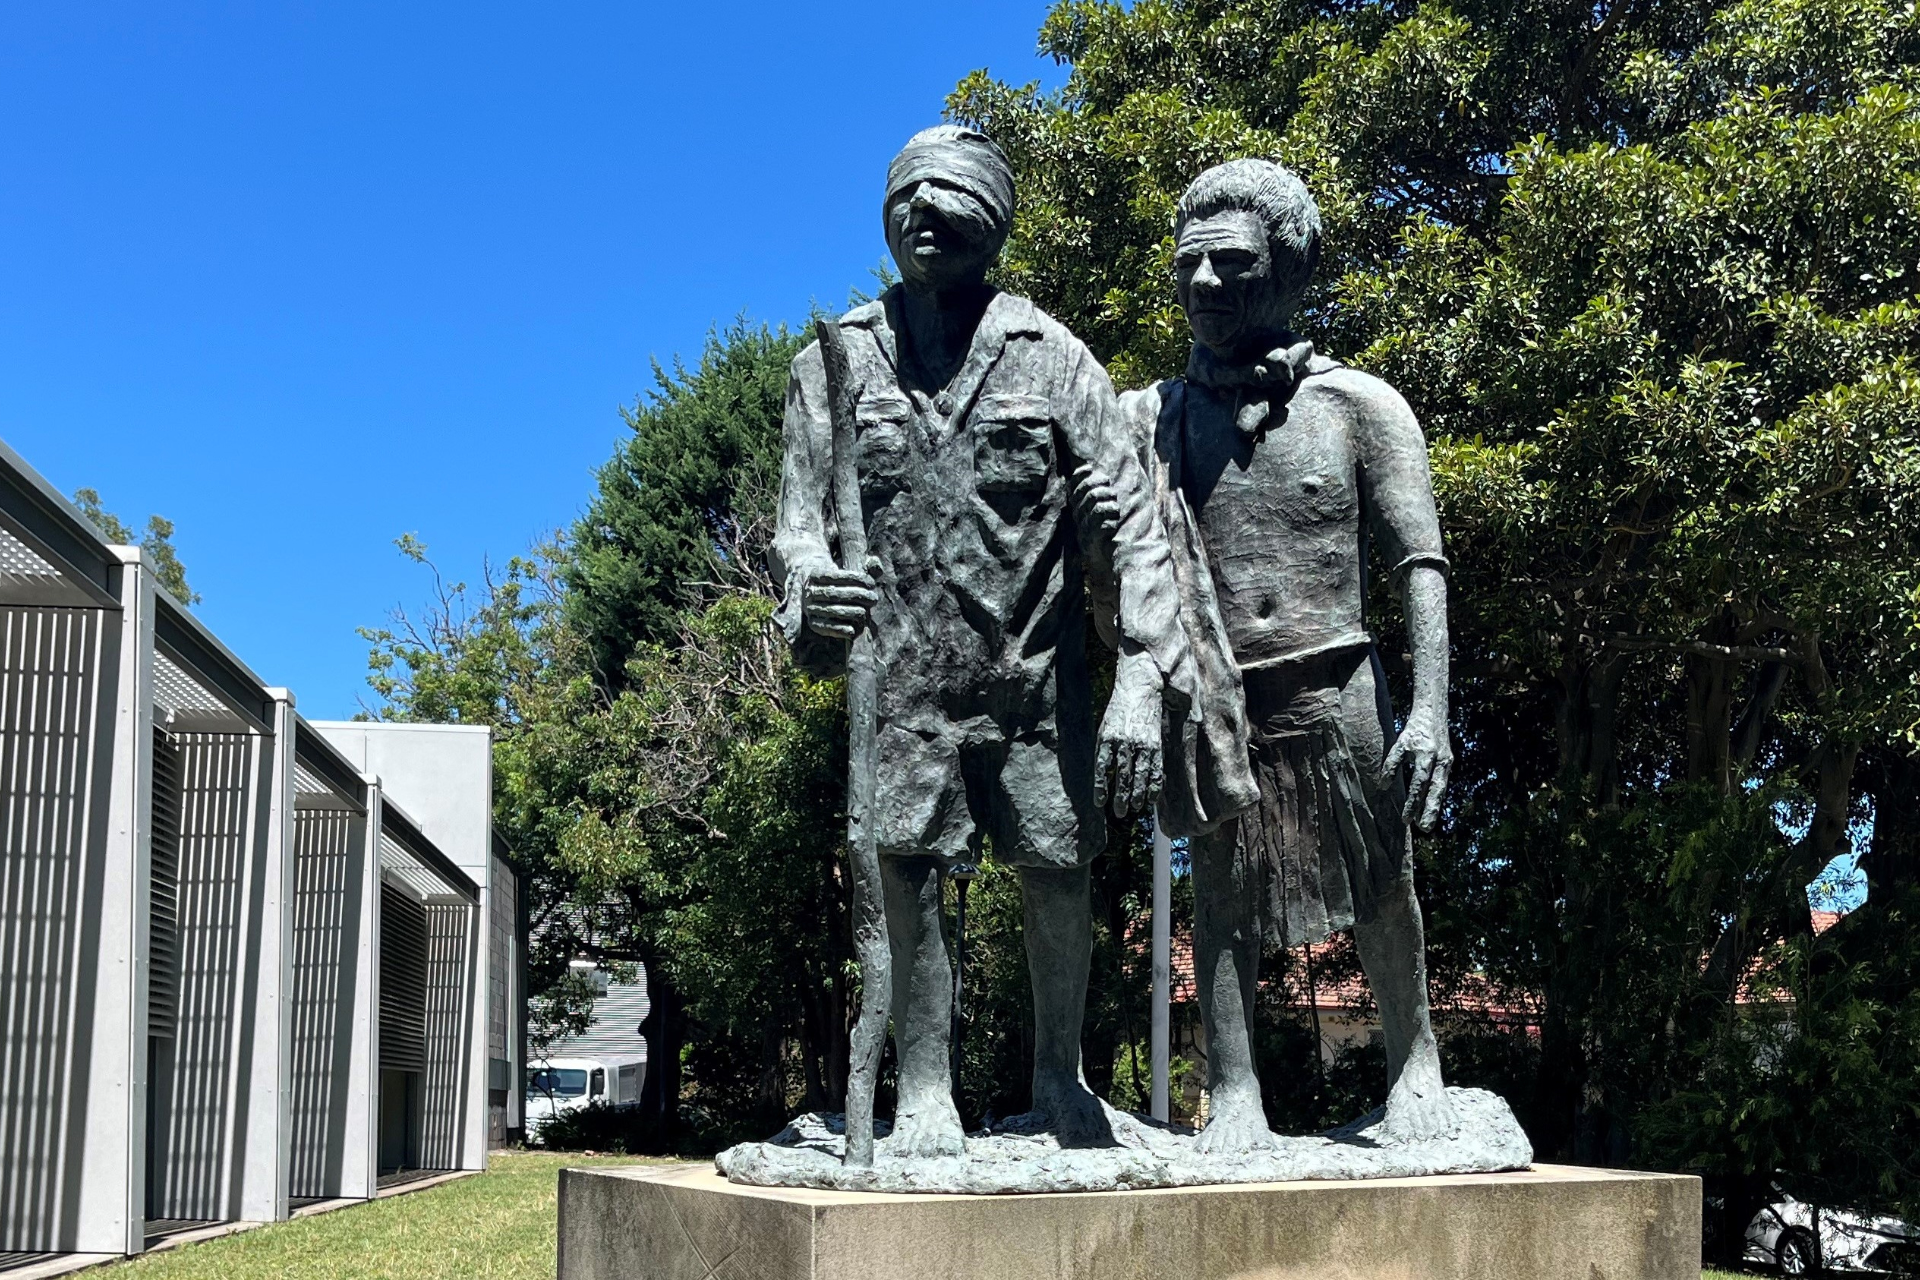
[{"x": 1298, "y": 477}]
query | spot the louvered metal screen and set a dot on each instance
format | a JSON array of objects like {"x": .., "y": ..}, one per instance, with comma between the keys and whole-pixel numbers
[
  {"x": 403, "y": 982},
  {"x": 450, "y": 957},
  {"x": 50, "y": 814},
  {"x": 326, "y": 940},
  {"x": 220, "y": 830},
  {"x": 163, "y": 948}
]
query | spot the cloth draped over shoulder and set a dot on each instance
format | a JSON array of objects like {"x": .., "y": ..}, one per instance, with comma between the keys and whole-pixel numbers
[{"x": 1209, "y": 774}]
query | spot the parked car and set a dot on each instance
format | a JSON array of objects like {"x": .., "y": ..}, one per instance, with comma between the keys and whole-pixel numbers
[
  {"x": 560, "y": 1084},
  {"x": 1798, "y": 1238}
]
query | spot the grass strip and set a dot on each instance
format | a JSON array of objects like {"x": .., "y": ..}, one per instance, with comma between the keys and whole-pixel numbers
[{"x": 497, "y": 1225}]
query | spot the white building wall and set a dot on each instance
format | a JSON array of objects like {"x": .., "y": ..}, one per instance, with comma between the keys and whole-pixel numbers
[{"x": 442, "y": 776}]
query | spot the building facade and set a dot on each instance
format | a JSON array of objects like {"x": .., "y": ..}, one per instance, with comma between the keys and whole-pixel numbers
[{"x": 239, "y": 974}]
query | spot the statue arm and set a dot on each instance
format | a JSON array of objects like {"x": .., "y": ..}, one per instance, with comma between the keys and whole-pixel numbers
[
  {"x": 1126, "y": 549},
  {"x": 802, "y": 542},
  {"x": 1096, "y": 505},
  {"x": 1398, "y": 494}
]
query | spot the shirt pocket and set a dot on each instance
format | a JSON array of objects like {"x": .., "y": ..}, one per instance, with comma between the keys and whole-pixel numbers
[
  {"x": 1012, "y": 443},
  {"x": 880, "y": 426}
]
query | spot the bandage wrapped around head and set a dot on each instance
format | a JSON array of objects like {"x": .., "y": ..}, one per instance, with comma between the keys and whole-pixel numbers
[{"x": 960, "y": 158}]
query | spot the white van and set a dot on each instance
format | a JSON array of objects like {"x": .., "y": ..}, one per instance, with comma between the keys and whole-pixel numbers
[{"x": 568, "y": 1083}]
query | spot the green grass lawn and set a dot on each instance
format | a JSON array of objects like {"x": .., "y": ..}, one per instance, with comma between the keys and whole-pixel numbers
[{"x": 498, "y": 1225}]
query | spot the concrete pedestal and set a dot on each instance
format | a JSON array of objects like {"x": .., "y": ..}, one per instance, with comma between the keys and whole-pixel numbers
[{"x": 1549, "y": 1223}]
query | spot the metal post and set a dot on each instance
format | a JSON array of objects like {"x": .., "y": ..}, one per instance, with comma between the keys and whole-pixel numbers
[
  {"x": 963, "y": 874},
  {"x": 1162, "y": 966}
]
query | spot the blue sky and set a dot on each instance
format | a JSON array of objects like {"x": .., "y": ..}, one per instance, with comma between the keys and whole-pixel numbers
[{"x": 305, "y": 277}]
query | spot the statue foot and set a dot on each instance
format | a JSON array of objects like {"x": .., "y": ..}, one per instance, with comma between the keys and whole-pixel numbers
[
  {"x": 1235, "y": 1126},
  {"x": 1067, "y": 1109},
  {"x": 927, "y": 1131},
  {"x": 1418, "y": 1109}
]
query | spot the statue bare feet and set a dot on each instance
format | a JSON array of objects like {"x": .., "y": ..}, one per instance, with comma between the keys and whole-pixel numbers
[
  {"x": 1073, "y": 1114},
  {"x": 930, "y": 1129},
  {"x": 1236, "y": 1124},
  {"x": 1418, "y": 1108}
]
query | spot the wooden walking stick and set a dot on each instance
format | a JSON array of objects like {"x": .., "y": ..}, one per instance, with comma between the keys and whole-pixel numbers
[{"x": 869, "y": 900}]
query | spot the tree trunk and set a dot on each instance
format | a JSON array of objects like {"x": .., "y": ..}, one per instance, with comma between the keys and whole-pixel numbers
[
  {"x": 1892, "y": 778},
  {"x": 665, "y": 1029}
]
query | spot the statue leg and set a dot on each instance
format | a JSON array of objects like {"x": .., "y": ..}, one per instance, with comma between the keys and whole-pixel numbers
[
  {"x": 1393, "y": 944},
  {"x": 925, "y": 1122},
  {"x": 1226, "y": 946},
  {"x": 1393, "y": 951},
  {"x": 1059, "y": 936}
]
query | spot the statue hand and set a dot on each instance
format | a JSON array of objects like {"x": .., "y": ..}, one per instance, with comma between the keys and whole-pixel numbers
[
  {"x": 836, "y": 601},
  {"x": 1422, "y": 745},
  {"x": 1127, "y": 766},
  {"x": 1095, "y": 501}
]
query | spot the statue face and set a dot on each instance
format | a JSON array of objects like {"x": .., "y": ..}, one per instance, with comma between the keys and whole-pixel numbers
[
  {"x": 1223, "y": 269},
  {"x": 940, "y": 235}
]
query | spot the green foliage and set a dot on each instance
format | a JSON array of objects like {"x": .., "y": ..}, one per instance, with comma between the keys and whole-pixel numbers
[
  {"x": 1646, "y": 272},
  {"x": 473, "y": 655},
  {"x": 700, "y": 468},
  {"x": 1836, "y": 1052},
  {"x": 156, "y": 544},
  {"x": 598, "y": 1126},
  {"x": 681, "y": 807}
]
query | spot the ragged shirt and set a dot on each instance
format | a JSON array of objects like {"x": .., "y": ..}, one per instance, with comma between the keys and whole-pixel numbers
[{"x": 965, "y": 488}]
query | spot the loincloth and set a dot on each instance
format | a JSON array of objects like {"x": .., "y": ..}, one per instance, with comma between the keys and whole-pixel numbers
[{"x": 1327, "y": 838}]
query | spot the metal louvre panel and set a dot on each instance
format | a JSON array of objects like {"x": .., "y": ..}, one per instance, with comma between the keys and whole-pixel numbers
[
  {"x": 163, "y": 947},
  {"x": 327, "y": 860},
  {"x": 403, "y": 982},
  {"x": 50, "y": 752},
  {"x": 450, "y": 956},
  {"x": 218, "y": 820},
  {"x": 499, "y": 959}
]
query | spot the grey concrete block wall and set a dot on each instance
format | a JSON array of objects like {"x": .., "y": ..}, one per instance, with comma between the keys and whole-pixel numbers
[{"x": 1549, "y": 1223}]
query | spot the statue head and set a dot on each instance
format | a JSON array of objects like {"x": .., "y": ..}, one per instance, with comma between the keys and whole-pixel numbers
[
  {"x": 1246, "y": 240},
  {"x": 948, "y": 208}
]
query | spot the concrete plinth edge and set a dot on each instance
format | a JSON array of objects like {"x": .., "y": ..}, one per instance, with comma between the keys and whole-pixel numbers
[{"x": 1548, "y": 1223}]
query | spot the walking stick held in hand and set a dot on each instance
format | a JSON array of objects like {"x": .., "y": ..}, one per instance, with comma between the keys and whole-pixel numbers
[{"x": 869, "y": 901}]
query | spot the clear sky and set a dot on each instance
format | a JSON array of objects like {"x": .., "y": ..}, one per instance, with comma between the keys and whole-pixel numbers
[{"x": 303, "y": 277}]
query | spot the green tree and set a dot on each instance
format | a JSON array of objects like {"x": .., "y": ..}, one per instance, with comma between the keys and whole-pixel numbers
[
  {"x": 156, "y": 543},
  {"x": 703, "y": 457},
  {"x": 670, "y": 783},
  {"x": 1645, "y": 270}
]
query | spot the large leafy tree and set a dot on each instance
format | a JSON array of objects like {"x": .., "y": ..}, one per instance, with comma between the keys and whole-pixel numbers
[
  {"x": 701, "y": 464},
  {"x": 1646, "y": 271},
  {"x": 669, "y": 782}
]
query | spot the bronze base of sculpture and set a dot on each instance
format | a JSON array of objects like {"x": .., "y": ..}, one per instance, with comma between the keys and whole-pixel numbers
[{"x": 1018, "y": 1159}]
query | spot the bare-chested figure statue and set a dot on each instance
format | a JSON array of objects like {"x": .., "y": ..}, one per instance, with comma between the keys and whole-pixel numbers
[{"x": 1297, "y": 475}]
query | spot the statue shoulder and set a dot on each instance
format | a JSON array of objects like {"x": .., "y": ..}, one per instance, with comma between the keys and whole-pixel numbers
[
  {"x": 1366, "y": 402},
  {"x": 809, "y": 366},
  {"x": 1149, "y": 402},
  {"x": 1024, "y": 315}
]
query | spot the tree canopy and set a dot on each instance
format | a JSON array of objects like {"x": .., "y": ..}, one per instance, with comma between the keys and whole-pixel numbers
[{"x": 1646, "y": 272}]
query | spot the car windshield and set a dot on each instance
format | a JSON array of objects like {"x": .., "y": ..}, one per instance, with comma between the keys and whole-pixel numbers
[{"x": 561, "y": 1082}]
